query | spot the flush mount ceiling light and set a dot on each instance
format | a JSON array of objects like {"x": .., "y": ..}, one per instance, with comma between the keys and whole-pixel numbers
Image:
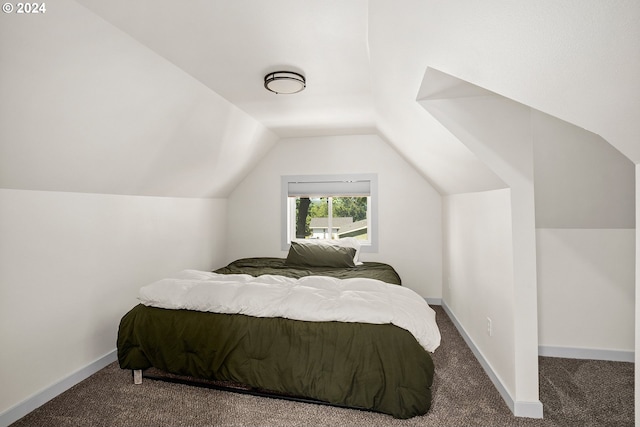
[{"x": 284, "y": 82}]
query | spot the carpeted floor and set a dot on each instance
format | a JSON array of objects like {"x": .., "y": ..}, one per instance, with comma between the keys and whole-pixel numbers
[{"x": 573, "y": 392}]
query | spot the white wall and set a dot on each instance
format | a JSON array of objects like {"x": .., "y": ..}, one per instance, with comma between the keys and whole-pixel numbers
[
  {"x": 578, "y": 192},
  {"x": 71, "y": 265},
  {"x": 585, "y": 220},
  {"x": 581, "y": 181},
  {"x": 478, "y": 271},
  {"x": 92, "y": 122},
  {"x": 586, "y": 291},
  {"x": 409, "y": 224},
  {"x": 498, "y": 131}
]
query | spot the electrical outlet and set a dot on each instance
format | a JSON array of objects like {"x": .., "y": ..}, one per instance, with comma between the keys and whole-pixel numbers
[{"x": 489, "y": 329}]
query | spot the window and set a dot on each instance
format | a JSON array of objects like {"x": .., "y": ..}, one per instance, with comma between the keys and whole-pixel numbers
[{"x": 330, "y": 207}]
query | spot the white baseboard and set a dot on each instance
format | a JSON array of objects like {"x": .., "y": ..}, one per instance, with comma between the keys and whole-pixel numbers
[
  {"x": 21, "y": 409},
  {"x": 527, "y": 409},
  {"x": 433, "y": 301},
  {"x": 587, "y": 353}
]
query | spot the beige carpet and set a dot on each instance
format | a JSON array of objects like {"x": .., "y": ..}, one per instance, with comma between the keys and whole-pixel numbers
[{"x": 573, "y": 392}]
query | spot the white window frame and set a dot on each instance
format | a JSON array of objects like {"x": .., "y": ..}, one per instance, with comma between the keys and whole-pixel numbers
[{"x": 288, "y": 212}]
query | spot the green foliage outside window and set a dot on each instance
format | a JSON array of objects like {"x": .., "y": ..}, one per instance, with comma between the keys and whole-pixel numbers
[{"x": 354, "y": 207}]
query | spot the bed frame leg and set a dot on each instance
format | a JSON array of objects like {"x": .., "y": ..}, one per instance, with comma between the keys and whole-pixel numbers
[{"x": 137, "y": 376}]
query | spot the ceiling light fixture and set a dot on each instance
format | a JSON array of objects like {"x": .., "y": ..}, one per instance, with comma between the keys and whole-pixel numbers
[{"x": 284, "y": 82}]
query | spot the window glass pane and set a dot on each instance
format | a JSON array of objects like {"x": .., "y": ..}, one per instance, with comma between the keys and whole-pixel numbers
[
  {"x": 312, "y": 217},
  {"x": 349, "y": 217}
]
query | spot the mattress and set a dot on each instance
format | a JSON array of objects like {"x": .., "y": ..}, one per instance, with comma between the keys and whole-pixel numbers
[{"x": 378, "y": 367}]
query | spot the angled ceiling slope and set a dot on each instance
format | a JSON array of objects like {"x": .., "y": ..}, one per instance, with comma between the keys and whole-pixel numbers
[
  {"x": 150, "y": 92},
  {"x": 112, "y": 116},
  {"x": 578, "y": 61},
  {"x": 579, "y": 180},
  {"x": 348, "y": 51}
]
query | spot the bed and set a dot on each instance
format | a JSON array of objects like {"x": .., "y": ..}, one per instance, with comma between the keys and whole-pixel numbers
[{"x": 305, "y": 326}]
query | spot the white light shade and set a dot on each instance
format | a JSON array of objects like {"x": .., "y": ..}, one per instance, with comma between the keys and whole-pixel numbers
[{"x": 284, "y": 82}]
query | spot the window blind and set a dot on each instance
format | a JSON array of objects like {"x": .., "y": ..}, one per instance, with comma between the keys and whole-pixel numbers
[{"x": 329, "y": 188}]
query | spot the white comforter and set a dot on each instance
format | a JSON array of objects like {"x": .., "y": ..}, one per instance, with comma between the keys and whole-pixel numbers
[{"x": 311, "y": 298}]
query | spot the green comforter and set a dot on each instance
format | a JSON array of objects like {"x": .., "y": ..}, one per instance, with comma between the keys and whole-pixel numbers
[
  {"x": 375, "y": 367},
  {"x": 259, "y": 266}
]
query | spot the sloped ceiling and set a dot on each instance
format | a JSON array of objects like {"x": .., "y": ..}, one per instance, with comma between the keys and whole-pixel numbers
[
  {"x": 580, "y": 180},
  {"x": 575, "y": 60},
  {"x": 85, "y": 108},
  {"x": 155, "y": 97}
]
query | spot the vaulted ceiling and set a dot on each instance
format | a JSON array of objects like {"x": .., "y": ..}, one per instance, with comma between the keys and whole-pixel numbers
[{"x": 157, "y": 97}]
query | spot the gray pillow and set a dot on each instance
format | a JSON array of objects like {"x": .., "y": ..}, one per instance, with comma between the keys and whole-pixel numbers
[{"x": 315, "y": 255}]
